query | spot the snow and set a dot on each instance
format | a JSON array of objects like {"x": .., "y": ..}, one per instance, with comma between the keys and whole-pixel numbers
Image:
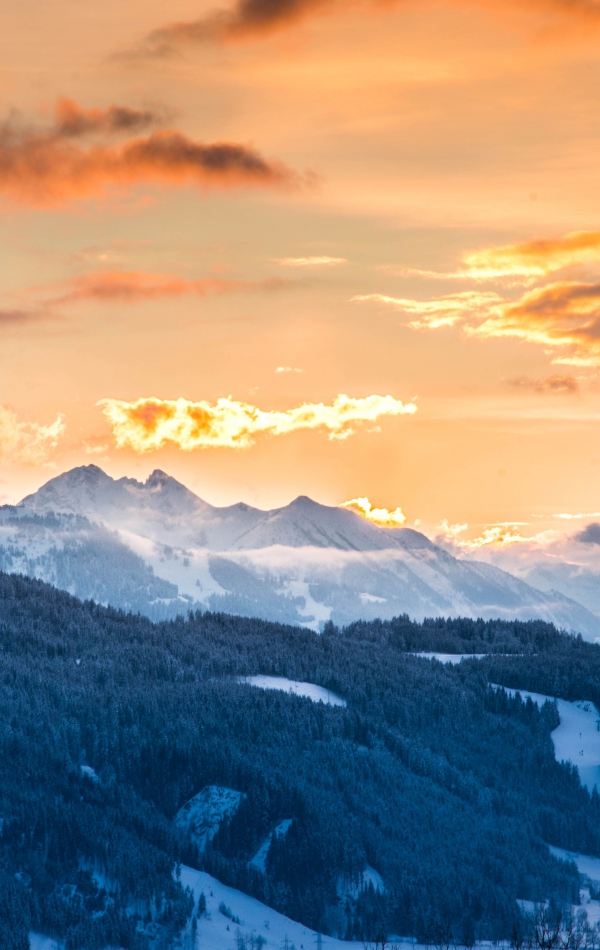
[
  {"x": 317, "y": 693},
  {"x": 353, "y": 888},
  {"x": 576, "y": 739},
  {"x": 90, "y": 772},
  {"x": 39, "y": 942},
  {"x": 203, "y": 814},
  {"x": 260, "y": 858},
  {"x": 450, "y": 657},
  {"x": 255, "y": 919},
  {"x": 585, "y": 864}
]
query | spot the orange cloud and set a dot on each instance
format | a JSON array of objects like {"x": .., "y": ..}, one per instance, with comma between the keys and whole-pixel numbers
[
  {"x": 137, "y": 286},
  {"x": 73, "y": 120},
  {"x": 149, "y": 423},
  {"x": 523, "y": 263},
  {"x": 564, "y": 315},
  {"x": 27, "y": 442},
  {"x": 380, "y": 516},
  {"x": 257, "y": 18},
  {"x": 46, "y": 169}
]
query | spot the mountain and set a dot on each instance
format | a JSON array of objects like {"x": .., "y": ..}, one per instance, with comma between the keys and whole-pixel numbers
[{"x": 157, "y": 548}]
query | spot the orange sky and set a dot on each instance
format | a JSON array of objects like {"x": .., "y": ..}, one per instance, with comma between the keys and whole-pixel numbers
[{"x": 359, "y": 208}]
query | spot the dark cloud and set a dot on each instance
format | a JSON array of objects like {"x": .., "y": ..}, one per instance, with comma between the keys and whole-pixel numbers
[
  {"x": 49, "y": 168},
  {"x": 590, "y": 534},
  {"x": 73, "y": 120},
  {"x": 248, "y": 18}
]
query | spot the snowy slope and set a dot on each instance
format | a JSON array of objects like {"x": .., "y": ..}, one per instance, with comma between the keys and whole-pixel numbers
[
  {"x": 304, "y": 563},
  {"x": 576, "y": 739},
  {"x": 217, "y": 932},
  {"x": 317, "y": 693}
]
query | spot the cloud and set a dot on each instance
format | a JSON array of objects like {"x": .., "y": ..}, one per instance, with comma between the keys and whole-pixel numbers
[
  {"x": 590, "y": 534},
  {"x": 442, "y": 312},
  {"x": 310, "y": 261},
  {"x": 288, "y": 369},
  {"x": 72, "y": 120},
  {"x": 27, "y": 442},
  {"x": 525, "y": 262},
  {"x": 137, "y": 286},
  {"x": 249, "y": 19},
  {"x": 379, "y": 516},
  {"x": 47, "y": 168},
  {"x": 497, "y": 535},
  {"x": 555, "y": 385},
  {"x": 150, "y": 423},
  {"x": 561, "y": 316},
  {"x": 246, "y": 19}
]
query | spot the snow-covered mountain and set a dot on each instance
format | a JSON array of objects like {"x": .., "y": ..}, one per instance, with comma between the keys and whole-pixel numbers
[{"x": 159, "y": 548}]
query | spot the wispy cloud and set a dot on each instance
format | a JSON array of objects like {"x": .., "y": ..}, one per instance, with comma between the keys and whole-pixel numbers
[
  {"x": 556, "y": 385},
  {"x": 288, "y": 369},
  {"x": 136, "y": 286},
  {"x": 379, "y": 516},
  {"x": 563, "y": 316},
  {"x": 27, "y": 443},
  {"x": 150, "y": 423},
  {"x": 441, "y": 312},
  {"x": 309, "y": 261},
  {"x": 48, "y": 168}
]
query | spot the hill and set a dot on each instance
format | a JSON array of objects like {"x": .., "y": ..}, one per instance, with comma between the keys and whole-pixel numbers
[{"x": 429, "y": 780}]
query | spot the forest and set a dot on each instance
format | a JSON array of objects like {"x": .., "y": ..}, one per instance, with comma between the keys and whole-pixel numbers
[{"x": 447, "y": 787}]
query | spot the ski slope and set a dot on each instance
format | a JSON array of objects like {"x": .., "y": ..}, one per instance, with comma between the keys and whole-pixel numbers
[
  {"x": 317, "y": 693},
  {"x": 577, "y": 738}
]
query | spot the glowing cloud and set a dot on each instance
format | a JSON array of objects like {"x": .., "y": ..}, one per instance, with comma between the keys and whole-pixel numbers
[
  {"x": 148, "y": 424},
  {"x": 136, "y": 286},
  {"x": 564, "y": 315},
  {"x": 310, "y": 261},
  {"x": 379, "y": 516},
  {"x": 523, "y": 263},
  {"x": 46, "y": 169},
  {"x": 442, "y": 312},
  {"x": 72, "y": 120},
  {"x": 27, "y": 442}
]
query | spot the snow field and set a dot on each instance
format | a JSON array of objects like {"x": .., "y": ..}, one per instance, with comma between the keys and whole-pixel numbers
[
  {"x": 317, "y": 693},
  {"x": 577, "y": 738}
]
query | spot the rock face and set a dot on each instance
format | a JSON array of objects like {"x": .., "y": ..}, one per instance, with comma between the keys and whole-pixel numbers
[{"x": 159, "y": 548}]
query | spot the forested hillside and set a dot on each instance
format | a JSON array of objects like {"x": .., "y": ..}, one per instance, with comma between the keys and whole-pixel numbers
[{"x": 446, "y": 787}]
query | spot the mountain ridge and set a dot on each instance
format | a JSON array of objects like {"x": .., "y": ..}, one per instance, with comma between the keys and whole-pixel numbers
[{"x": 302, "y": 563}]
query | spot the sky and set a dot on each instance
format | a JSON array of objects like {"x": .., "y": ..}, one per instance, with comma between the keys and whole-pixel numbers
[{"x": 282, "y": 247}]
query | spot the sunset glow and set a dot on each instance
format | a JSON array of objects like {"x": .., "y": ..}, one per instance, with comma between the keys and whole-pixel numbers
[{"x": 247, "y": 208}]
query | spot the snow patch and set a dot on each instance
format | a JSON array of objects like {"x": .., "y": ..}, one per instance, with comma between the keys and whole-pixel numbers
[
  {"x": 353, "y": 888},
  {"x": 201, "y": 817},
  {"x": 317, "y": 693},
  {"x": 577, "y": 738},
  {"x": 372, "y": 599},
  {"x": 452, "y": 658},
  {"x": 39, "y": 942},
  {"x": 259, "y": 861},
  {"x": 585, "y": 863},
  {"x": 90, "y": 772}
]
